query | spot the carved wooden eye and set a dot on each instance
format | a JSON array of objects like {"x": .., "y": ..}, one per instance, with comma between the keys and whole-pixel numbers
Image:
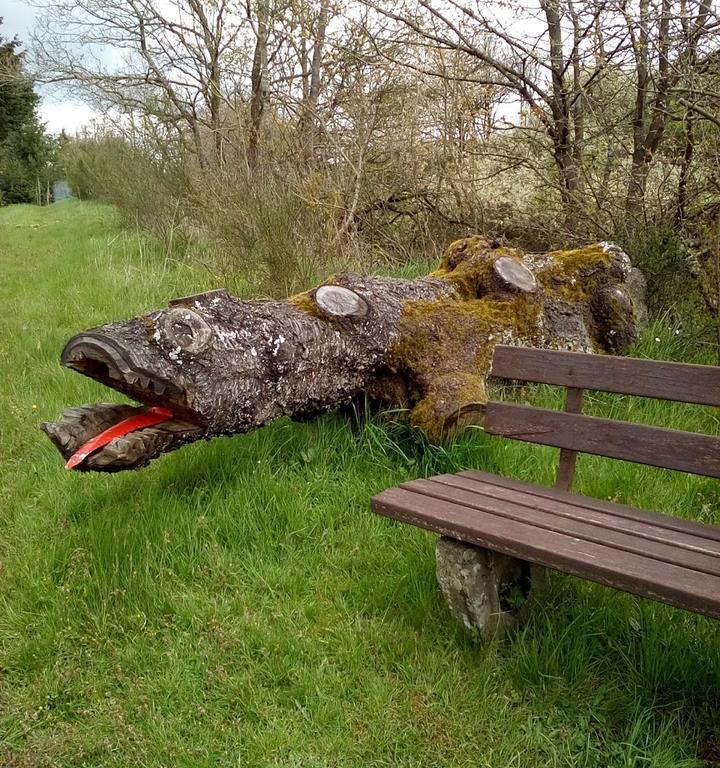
[
  {"x": 185, "y": 329},
  {"x": 337, "y": 301}
]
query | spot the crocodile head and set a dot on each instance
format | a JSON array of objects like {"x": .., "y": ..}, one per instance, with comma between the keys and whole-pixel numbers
[{"x": 203, "y": 358}]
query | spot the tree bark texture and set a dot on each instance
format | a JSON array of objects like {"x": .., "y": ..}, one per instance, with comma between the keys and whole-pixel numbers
[{"x": 225, "y": 366}]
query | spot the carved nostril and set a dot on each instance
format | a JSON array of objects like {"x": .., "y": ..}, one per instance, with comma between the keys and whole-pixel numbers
[{"x": 185, "y": 329}]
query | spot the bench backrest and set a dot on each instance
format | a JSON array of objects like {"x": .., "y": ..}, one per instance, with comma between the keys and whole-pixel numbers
[{"x": 572, "y": 432}]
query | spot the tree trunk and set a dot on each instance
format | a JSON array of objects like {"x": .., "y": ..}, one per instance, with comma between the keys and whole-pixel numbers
[
  {"x": 308, "y": 120},
  {"x": 685, "y": 169},
  {"x": 225, "y": 366},
  {"x": 214, "y": 105},
  {"x": 637, "y": 182},
  {"x": 638, "y": 171},
  {"x": 258, "y": 77},
  {"x": 567, "y": 153}
]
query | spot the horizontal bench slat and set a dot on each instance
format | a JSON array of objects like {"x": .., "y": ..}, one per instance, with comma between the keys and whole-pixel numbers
[
  {"x": 657, "y": 447},
  {"x": 644, "y": 576},
  {"x": 623, "y": 375},
  {"x": 461, "y": 491},
  {"x": 684, "y": 532}
]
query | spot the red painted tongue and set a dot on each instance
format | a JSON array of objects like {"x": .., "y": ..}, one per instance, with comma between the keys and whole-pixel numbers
[{"x": 148, "y": 418}]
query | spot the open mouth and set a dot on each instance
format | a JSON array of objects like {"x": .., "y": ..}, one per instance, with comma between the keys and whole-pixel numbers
[{"x": 129, "y": 442}]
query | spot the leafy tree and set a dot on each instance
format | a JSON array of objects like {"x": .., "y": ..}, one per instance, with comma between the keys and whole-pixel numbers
[{"x": 26, "y": 152}]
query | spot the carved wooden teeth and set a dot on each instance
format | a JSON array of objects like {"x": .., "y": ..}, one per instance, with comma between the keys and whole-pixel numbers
[{"x": 151, "y": 385}]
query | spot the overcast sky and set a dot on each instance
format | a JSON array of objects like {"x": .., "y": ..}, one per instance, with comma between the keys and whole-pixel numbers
[
  {"x": 59, "y": 112},
  {"x": 55, "y": 111}
]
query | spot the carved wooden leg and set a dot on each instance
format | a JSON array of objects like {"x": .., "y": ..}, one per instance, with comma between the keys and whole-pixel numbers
[{"x": 485, "y": 590}]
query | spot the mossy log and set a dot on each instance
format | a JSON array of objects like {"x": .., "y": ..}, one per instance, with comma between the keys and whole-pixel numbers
[{"x": 225, "y": 366}]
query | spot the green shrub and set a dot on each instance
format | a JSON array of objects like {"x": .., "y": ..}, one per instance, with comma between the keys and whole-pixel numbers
[
  {"x": 144, "y": 187},
  {"x": 657, "y": 251}
]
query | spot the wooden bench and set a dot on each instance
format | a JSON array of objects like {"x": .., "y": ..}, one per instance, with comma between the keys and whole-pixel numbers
[{"x": 646, "y": 553}]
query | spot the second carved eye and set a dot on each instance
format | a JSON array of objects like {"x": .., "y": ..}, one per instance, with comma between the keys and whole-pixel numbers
[{"x": 185, "y": 329}]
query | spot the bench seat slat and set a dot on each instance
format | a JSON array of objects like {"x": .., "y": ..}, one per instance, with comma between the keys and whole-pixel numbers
[
  {"x": 460, "y": 490},
  {"x": 658, "y": 447},
  {"x": 671, "y": 524},
  {"x": 635, "y": 573},
  {"x": 651, "y": 528},
  {"x": 682, "y": 382}
]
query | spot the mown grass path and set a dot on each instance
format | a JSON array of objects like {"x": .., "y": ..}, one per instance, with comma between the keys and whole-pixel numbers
[{"x": 236, "y": 604}]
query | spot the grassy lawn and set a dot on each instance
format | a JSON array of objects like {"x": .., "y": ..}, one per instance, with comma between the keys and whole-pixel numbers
[{"x": 236, "y": 604}]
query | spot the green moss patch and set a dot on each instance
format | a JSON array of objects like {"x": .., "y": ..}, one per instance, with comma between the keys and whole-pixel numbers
[
  {"x": 468, "y": 263},
  {"x": 445, "y": 349},
  {"x": 574, "y": 274},
  {"x": 304, "y": 302}
]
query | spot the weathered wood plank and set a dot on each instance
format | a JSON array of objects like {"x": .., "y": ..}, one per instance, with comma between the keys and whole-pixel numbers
[
  {"x": 624, "y": 375},
  {"x": 568, "y": 458},
  {"x": 582, "y": 525},
  {"x": 644, "y": 576},
  {"x": 655, "y": 446},
  {"x": 673, "y": 525},
  {"x": 639, "y": 522}
]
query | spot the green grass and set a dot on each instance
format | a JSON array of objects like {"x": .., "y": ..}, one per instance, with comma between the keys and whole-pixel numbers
[{"x": 236, "y": 604}]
